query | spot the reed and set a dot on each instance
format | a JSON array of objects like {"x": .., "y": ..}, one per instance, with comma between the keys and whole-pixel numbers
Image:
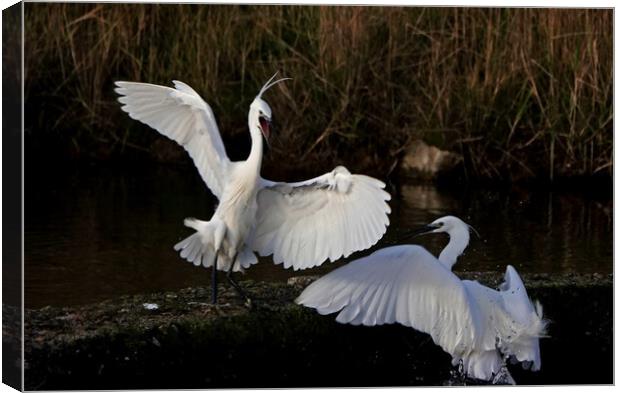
[{"x": 521, "y": 93}]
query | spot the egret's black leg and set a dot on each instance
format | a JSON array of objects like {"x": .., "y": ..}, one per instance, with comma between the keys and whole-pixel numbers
[
  {"x": 236, "y": 285},
  {"x": 214, "y": 282}
]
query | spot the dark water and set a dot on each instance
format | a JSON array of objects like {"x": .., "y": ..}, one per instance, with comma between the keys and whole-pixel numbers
[{"x": 96, "y": 233}]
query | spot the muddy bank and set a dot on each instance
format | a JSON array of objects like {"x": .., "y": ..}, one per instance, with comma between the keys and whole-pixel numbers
[{"x": 184, "y": 342}]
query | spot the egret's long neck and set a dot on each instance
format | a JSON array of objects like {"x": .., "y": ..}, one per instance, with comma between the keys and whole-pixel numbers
[
  {"x": 256, "y": 153},
  {"x": 459, "y": 239}
]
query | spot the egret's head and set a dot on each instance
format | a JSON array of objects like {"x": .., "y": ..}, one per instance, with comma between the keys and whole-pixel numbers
[
  {"x": 262, "y": 109},
  {"x": 263, "y": 112},
  {"x": 448, "y": 224}
]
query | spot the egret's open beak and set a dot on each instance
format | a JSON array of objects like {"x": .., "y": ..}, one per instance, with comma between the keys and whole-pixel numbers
[{"x": 265, "y": 126}]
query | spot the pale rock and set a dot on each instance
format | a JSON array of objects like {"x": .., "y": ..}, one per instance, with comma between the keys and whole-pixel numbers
[{"x": 422, "y": 161}]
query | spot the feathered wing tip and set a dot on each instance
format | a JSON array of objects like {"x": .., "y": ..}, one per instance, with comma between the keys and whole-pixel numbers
[
  {"x": 526, "y": 348},
  {"x": 519, "y": 304},
  {"x": 524, "y": 325},
  {"x": 269, "y": 84},
  {"x": 539, "y": 326},
  {"x": 532, "y": 310}
]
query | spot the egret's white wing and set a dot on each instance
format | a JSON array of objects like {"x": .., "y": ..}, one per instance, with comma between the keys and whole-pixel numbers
[
  {"x": 181, "y": 115},
  {"x": 523, "y": 322},
  {"x": 509, "y": 322},
  {"x": 483, "y": 360},
  {"x": 515, "y": 297},
  {"x": 302, "y": 224},
  {"x": 404, "y": 284}
]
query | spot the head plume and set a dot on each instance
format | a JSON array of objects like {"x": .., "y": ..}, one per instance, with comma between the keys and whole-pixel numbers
[
  {"x": 472, "y": 229},
  {"x": 270, "y": 84}
]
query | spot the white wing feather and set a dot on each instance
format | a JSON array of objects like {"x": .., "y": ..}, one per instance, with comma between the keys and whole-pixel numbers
[
  {"x": 404, "y": 284},
  {"x": 522, "y": 323},
  {"x": 183, "y": 116},
  {"x": 408, "y": 285},
  {"x": 303, "y": 224}
]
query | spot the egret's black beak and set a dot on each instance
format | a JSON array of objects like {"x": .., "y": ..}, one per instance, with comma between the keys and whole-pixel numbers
[{"x": 420, "y": 231}]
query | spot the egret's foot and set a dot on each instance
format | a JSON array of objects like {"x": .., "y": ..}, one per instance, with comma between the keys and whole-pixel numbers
[{"x": 247, "y": 300}]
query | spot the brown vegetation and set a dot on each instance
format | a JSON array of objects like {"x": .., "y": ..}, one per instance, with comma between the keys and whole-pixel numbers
[{"x": 519, "y": 92}]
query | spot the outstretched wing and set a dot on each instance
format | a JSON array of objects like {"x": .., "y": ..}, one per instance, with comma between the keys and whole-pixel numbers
[
  {"x": 302, "y": 224},
  {"x": 181, "y": 115},
  {"x": 524, "y": 317},
  {"x": 404, "y": 284},
  {"x": 508, "y": 322}
]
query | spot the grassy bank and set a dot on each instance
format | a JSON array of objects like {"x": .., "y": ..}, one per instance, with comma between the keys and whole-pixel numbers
[
  {"x": 521, "y": 93},
  {"x": 186, "y": 343}
]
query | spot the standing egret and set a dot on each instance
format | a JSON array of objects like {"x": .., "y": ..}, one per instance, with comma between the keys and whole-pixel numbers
[
  {"x": 476, "y": 325},
  {"x": 302, "y": 224}
]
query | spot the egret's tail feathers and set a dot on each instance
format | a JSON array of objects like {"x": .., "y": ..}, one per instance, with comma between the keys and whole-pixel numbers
[
  {"x": 212, "y": 232},
  {"x": 202, "y": 247},
  {"x": 193, "y": 250},
  {"x": 195, "y": 223}
]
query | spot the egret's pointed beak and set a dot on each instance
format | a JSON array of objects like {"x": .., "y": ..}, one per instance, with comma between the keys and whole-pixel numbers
[{"x": 420, "y": 231}]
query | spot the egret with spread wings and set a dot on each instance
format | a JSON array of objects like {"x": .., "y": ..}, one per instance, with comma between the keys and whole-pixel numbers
[
  {"x": 302, "y": 224},
  {"x": 406, "y": 284}
]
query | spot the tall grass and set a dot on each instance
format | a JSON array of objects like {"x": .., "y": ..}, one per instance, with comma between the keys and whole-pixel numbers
[{"x": 519, "y": 92}]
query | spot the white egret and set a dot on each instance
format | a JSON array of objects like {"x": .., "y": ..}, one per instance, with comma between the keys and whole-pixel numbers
[
  {"x": 302, "y": 224},
  {"x": 476, "y": 325}
]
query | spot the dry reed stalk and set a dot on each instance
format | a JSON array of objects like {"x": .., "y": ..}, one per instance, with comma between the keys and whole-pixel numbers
[{"x": 504, "y": 86}]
